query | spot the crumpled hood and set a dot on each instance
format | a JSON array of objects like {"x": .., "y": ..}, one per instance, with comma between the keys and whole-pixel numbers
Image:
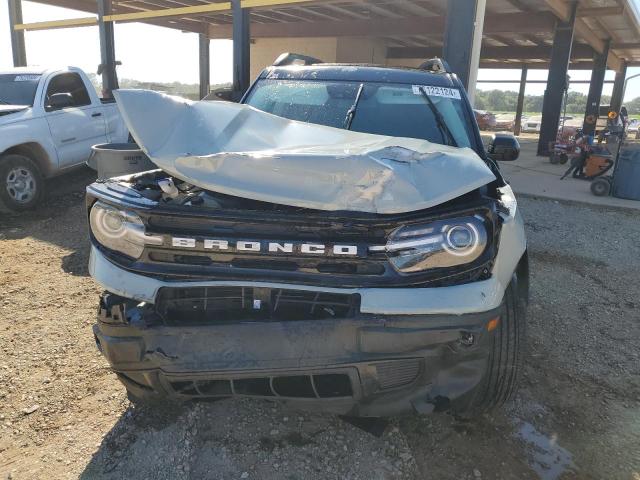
[{"x": 238, "y": 150}]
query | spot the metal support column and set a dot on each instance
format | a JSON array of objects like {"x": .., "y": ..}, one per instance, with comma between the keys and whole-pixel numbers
[
  {"x": 107, "y": 66},
  {"x": 617, "y": 96},
  {"x": 17, "y": 36},
  {"x": 205, "y": 81},
  {"x": 595, "y": 90},
  {"x": 517, "y": 127},
  {"x": 241, "y": 49},
  {"x": 463, "y": 40},
  {"x": 556, "y": 82}
]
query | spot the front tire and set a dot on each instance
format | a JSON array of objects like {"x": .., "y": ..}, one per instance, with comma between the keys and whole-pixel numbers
[
  {"x": 21, "y": 182},
  {"x": 504, "y": 364}
]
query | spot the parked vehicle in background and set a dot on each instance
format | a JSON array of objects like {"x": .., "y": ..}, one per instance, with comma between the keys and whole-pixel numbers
[
  {"x": 531, "y": 124},
  {"x": 49, "y": 119},
  {"x": 504, "y": 122},
  {"x": 486, "y": 120},
  {"x": 633, "y": 129},
  {"x": 373, "y": 268}
]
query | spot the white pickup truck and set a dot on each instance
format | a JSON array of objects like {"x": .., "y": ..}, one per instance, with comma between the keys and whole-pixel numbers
[{"x": 49, "y": 119}]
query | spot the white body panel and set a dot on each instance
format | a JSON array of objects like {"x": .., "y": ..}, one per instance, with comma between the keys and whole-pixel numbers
[{"x": 64, "y": 136}]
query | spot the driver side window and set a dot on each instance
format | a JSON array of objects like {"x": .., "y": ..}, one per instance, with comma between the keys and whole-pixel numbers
[{"x": 68, "y": 83}]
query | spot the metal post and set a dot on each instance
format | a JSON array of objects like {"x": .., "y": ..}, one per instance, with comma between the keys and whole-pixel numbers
[
  {"x": 517, "y": 126},
  {"x": 617, "y": 96},
  {"x": 205, "y": 81},
  {"x": 463, "y": 40},
  {"x": 556, "y": 82},
  {"x": 17, "y": 36},
  {"x": 241, "y": 49},
  {"x": 595, "y": 90},
  {"x": 107, "y": 66}
]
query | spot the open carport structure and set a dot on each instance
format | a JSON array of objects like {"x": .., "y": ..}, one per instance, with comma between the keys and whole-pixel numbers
[{"x": 523, "y": 34}]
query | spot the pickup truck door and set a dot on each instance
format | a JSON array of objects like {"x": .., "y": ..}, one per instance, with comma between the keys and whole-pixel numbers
[{"x": 76, "y": 127}]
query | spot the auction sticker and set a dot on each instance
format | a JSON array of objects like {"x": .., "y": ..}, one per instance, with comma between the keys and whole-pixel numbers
[
  {"x": 26, "y": 78},
  {"x": 437, "y": 91}
]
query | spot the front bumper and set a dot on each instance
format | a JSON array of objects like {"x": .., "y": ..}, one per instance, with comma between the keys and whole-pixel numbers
[{"x": 370, "y": 365}]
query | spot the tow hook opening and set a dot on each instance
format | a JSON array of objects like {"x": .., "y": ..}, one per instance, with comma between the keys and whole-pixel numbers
[{"x": 468, "y": 339}]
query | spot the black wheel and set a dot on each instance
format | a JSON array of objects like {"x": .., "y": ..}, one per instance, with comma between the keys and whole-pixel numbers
[
  {"x": 21, "y": 182},
  {"x": 504, "y": 365},
  {"x": 601, "y": 187},
  {"x": 563, "y": 158}
]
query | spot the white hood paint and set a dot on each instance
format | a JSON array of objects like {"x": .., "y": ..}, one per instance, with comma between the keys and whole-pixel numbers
[{"x": 238, "y": 150}]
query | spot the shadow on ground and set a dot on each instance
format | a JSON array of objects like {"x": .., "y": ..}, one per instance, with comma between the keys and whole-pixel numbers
[{"x": 56, "y": 220}]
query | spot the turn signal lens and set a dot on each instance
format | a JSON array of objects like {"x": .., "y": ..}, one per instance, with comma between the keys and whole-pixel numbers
[{"x": 493, "y": 324}]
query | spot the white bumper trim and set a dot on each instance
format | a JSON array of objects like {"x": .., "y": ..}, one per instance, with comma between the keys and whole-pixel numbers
[{"x": 456, "y": 300}]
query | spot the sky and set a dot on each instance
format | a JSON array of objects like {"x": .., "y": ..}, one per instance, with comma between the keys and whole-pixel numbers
[{"x": 150, "y": 53}]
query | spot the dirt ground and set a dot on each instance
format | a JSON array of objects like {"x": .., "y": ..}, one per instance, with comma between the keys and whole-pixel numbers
[{"x": 577, "y": 415}]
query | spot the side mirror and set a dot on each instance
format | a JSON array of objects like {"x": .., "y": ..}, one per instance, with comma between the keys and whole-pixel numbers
[
  {"x": 504, "y": 147},
  {"x": 58, "y": 101}
]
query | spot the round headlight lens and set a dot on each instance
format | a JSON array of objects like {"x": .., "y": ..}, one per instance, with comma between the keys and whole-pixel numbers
[
  {"x": 113, "y": 222},
  {"x": 117, "y": 230},
  {"x": 441, "y": 244}
]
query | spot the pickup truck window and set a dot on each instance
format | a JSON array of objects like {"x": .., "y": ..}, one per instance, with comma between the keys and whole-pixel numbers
[
  {"x": 393, "y": 109},
  {"x": 18, "y": 89},
  {"x": 70, "y": 83}
]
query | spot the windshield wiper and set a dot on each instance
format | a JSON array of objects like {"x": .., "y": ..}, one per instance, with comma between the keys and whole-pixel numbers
[
  {"x": 351, "y": 113},
  {"x": 447, "y": 136}
]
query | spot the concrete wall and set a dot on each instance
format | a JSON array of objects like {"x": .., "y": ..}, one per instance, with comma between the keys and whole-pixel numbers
[
  {"x": 265, "y": 50},
  {"x": 361, "y": 50},
  {"x": 405, "y": 62},
  {"x": 344, "y": 49}
]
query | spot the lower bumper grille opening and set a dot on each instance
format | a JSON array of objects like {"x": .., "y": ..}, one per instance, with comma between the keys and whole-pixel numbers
[
  {"x": 210, "y": 305},
  {"x": 397, "y": 373},
  {"x": 331, "y": 385},
  {"x": 253, "y": 386},
  {"x": 298, "y": 386},
  {"x": 214, "y": 387}
]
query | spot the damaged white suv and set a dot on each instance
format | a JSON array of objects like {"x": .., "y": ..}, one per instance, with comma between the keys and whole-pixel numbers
[{"x": 340, "y": 240}]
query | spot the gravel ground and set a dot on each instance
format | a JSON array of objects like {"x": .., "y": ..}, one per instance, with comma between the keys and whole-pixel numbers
[{"x": 577, "y": 416}]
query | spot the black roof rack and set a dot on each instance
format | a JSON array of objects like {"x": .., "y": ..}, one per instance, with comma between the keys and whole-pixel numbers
[
  {"x": 295, "y": 59},
  {"x": 435, "y": 65}
]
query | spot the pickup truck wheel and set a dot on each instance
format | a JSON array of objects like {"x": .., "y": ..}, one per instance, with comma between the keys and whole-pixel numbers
[
  {"x": 21, "y": 183},
  {"x": 505, "y": 359}
]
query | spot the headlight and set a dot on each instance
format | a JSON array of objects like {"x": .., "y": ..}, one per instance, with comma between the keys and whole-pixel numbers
[
  {"x": 441, "y": 244},
  {"x": 120, "y": 230}
]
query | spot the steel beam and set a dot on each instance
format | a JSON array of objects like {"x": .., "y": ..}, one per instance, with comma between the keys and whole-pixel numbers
[
  {"x": 463, "y": 40},
  {"x": 595, "y": 90},
  {"x": 241, "y": 49},
  {"x": 17, "y": 36},
  {"x": 520, "y": 106},
  {"x": 107, "y": 66},
  {"x": 488, "y": 52},
  {"x": 617, "y": 96},
  {"x": 557, "y": 81},
  {"x": 496, "y": 23},
  {"x": 204, "y": 64}
]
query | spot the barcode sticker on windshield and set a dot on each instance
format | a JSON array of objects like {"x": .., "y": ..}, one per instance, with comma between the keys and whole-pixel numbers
[
  {"x": 437, "y": 91},
  {"x": 25, "y": 78}
]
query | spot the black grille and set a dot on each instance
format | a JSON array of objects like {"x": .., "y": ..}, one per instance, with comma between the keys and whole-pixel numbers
[
  {"x": 329, "y": 385},
  {"x": 207, "y": 305},
  {"x": 397, "y": 373}
]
